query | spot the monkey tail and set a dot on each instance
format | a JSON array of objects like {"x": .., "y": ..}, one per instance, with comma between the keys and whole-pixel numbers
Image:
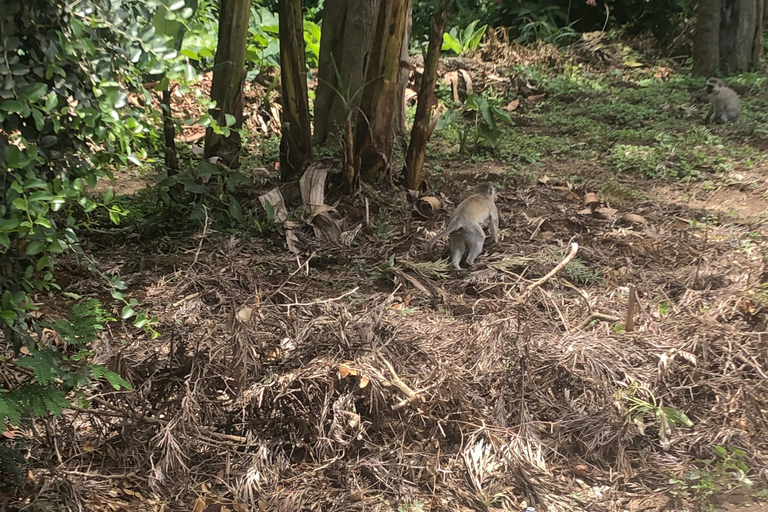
[{"x": 451, "y": 227}]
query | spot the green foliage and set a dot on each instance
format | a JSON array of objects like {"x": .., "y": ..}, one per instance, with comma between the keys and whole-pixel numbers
[
  {"x": 46, "y": 372},
  {"x": 65, "y": 119},
  {"x": 216, "y": 202},
  {"x": 662, "y": 417},
  {"x": 577, "y": 271},
  {"x": 712, "y": 476},
  {"x": 467, "y": 40},
  {"x": 483, "y": 127}
]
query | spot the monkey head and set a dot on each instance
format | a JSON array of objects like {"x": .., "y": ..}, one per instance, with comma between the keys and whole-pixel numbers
[{"x": 713, "y": 84}]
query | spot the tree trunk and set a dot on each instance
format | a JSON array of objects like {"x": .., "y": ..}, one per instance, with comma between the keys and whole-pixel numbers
[
  {"x": 373, "y": 130},
  {"x": 402, "y": 81},
  {"x": 741, "y": 35},
  {"x": 169, "y": 134},
  {"x": 706, "y": 41},
  {"x": 228, "y": 80},
  {"x": 296, "y": 142},
  {"x": 422, "y": 130},
  {"x": 345, "y": 44}
]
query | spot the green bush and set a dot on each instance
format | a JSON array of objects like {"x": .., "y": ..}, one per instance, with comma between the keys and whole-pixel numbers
[{"x": 65, "y": 119}]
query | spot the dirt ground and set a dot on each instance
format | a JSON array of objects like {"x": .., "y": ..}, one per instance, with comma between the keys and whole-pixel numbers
[{"x": 356, "y": 372}]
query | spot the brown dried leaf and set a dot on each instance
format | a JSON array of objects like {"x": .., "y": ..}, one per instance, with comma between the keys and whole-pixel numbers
[
  {"x": 364, "y": 381},
  {"x": 467, "y": 80},
  {"x": 536, "y": 97},
  {"x": 606, "y": 213},
  {"x": 346, "y": 369},
  {"x": 199, "y": 505},
  {"x": 634, "y": 218},
  {"x": 244, "y": 315},
  {"x": 451, "y": 78},
  {"x": 512, "y": 105}
]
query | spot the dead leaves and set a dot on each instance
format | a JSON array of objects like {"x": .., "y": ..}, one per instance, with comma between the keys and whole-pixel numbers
[
  {"x": 593, "y": 206},
  {"x": 348, "y": 368}
]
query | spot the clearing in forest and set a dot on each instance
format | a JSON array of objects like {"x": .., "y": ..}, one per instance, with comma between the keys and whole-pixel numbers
[{"x": 357, "y": 373}]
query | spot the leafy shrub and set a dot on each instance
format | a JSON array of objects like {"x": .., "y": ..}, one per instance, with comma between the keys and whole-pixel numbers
[
  {"x": 65, "y": 119},
  {"x": 464, "y": 41}
]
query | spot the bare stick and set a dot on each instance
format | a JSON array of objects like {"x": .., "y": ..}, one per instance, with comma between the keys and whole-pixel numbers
[
  {"x": 596, "y": 316},
  {"x": 558, "y": 268},
  {"x": 629, "y": 325}
]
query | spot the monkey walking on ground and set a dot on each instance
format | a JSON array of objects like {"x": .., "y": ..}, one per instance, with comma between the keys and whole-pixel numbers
[
  {"x": 724, "y": 104},
  {"x": 464, "y": 226}
]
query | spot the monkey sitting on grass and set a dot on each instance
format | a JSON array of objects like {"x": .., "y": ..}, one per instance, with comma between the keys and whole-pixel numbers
[
  {"x": 464, "y": 226},
  {"x": 725, "y": 105}
]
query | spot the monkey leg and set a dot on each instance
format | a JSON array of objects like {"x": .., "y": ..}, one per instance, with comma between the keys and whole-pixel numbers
[
  {"x": 722, "y": 118},
  {"x": 457, "y": 247},
  {"x": 475, "y": 236}
]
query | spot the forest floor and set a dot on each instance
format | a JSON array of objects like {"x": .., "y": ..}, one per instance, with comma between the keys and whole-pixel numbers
[{"x": 361, "y": 374}]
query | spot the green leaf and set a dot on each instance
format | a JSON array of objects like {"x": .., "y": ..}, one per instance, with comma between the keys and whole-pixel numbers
[
  {"x": 489, "y": 135},
  {"x": 12, "y": 106},
  {"x": 207, "y": 169},
  {"x": 235, "y": 210},
  {"x": 485, "y": 111},
  {"x": 451, "y": 43},
  {"x": 191, "y": 186},
  {"x": 448, "y": 118},
  {"x": 114, "y": 217},
  {"x": 15, "y": 158},
  {"x": 34, "y": 92},
  {"x": 5, "y": 241},
  {"x": 677, "y": 416},
  {"x": 35, "y": 247},
  {"x": 109, "y": 194},
  {"x": 127, "y": 312}
]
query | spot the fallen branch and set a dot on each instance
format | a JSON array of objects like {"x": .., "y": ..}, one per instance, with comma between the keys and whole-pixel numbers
[
  {"x": 558, "y": 268},
  {"x": 596, "y": 316},
  {"x": 396, "y": 381}
]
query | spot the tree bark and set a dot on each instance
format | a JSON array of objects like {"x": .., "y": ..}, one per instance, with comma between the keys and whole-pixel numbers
[
  {"x": 228, "y": 80},
  {"x": 169, "y": 134},
  {"x": 345, "y": 44},
  {"x": 373, "y": 130},
  {"x": 296, "y": 141},
  {"x": 729, "y": 36},
  {"x": 740, "y": 35},
  {"x": 421, "y": 131},
  {"x": 706, "y": 42},
  {"x": 402, "y": 81}
]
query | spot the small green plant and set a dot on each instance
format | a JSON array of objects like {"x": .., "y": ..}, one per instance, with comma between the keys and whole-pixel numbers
[
  {"x": 382, "y": 271},
  {"x": 464, "y": 41},
  {"x": 724, "y": 471},
  {"x": 483, "y": 128},
  {"x": 641, "y": 409},
  {"x": 46, "y": 372},
  {"x": 414, "y": 506}
]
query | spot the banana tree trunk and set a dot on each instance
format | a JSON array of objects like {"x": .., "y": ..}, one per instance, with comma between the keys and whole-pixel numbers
[
  {"x": 373, "y": 130},
  {"x": 296, "y": 142}
]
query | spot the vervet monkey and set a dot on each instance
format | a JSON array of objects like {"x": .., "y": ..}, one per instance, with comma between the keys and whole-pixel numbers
[
  {"x": 464, "y": 226},
  {"x": 724, "y": 102}
]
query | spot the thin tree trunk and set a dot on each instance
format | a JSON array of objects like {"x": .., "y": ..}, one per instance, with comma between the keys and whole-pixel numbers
[
  {"x": 373, "y": 130},
  {"x": 345, "y": 45},
  {"x": 414, "y": 158},
  {"x": 296, "y": 142},
  {"x": 757, "y": 45},
  {"x": 228, "y": 80},
  {"x": 706, "y": 42},
  {"x": 169, "y": 134},
  {"x": 402, "y": 82}
]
